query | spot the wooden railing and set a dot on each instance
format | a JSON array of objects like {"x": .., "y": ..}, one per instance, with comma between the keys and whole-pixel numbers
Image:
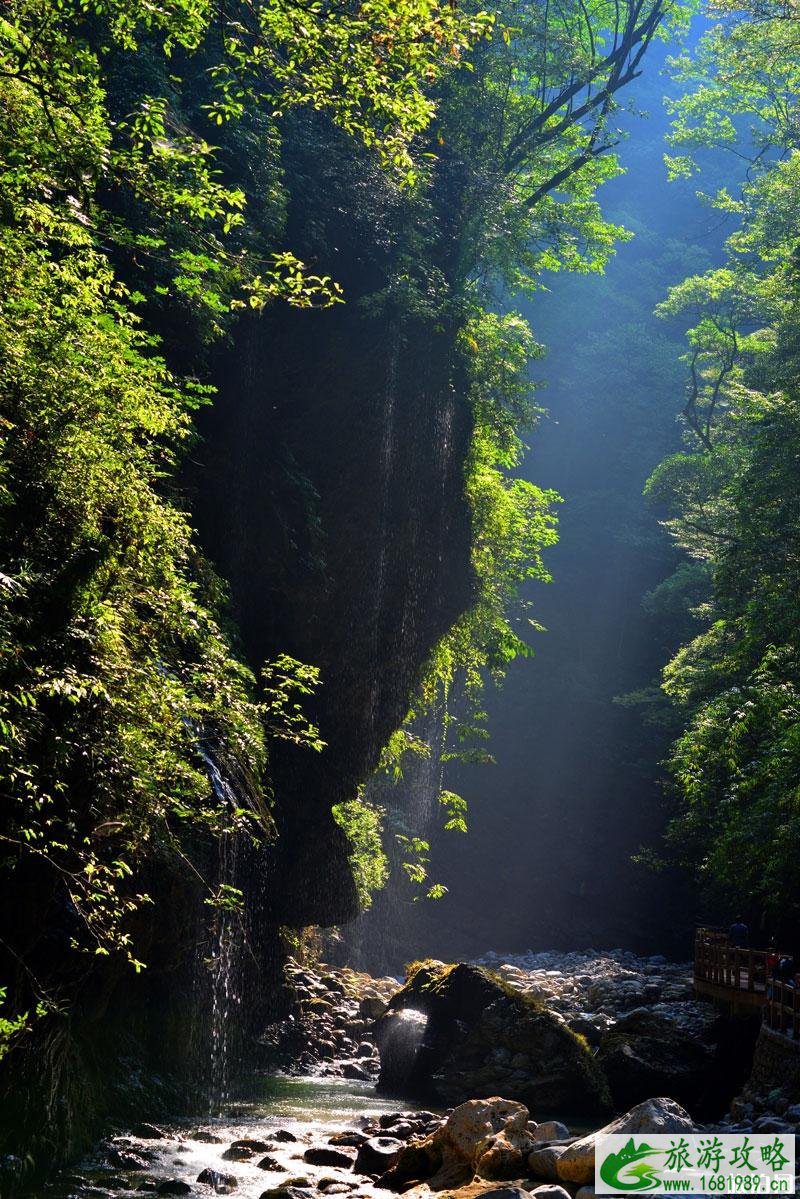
[
  {"x": 782, "y": 1010},
  {"x": 743, "y": 977},
  {"x": 721, "y": 964}
]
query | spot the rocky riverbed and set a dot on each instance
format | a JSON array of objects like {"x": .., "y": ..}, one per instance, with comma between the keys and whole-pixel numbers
[
  {"x": 594, "y": 989},
  {"x": 329, "y": 1031},
  {"x": 483, "y": 1148},
  {"x": 321, "y": 1128}
]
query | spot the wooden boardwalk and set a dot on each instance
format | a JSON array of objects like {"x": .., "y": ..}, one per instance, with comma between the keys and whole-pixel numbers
[{"x": 741, "y": 979}]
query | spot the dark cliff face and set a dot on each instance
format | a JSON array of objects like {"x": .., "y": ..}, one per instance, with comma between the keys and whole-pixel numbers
[
  {"x": 328, "y": 489},
  {"x": 331, "y": 500}
]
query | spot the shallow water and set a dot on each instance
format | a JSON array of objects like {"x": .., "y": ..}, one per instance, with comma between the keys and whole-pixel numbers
[
  {"x": 311, "y": 1108},
  {"x": 321, "y": 1100}
]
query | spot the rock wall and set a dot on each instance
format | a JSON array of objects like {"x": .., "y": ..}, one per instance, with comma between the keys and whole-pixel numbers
[
  {"x": 329, "y": 492},
  {"x": 776, "y": 1067}
]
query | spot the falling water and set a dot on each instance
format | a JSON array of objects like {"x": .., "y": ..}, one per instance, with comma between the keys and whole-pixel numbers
[
  {"x": 386, "y": 459},
  {"x": 402, "y": 1036},
  {"x": 225, "y": 981},
  {"x": 227, "y": 944}
]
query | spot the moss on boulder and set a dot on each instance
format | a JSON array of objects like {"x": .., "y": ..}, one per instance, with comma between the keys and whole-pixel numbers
[{"x": 476, "y": 1037}]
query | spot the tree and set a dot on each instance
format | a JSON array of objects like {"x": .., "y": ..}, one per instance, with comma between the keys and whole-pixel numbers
[{"x": 734, "y": 492}]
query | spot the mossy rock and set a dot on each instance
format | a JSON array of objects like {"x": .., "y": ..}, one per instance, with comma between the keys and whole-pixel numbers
[
  {"x": 643, "y": 1054},
  {"x": 472, "y": 1026}
]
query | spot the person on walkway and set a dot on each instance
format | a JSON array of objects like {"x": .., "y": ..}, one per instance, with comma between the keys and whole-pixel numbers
[
  {"x": 739, "y": 934},
  {"x": 785, "y": 971}
]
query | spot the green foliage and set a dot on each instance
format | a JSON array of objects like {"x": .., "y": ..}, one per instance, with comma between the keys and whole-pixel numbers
[
  {"x": 115, "y": 667},
  {"x": 416, "y": 859},
  {"x": 140, "y": 164},
  {"x": 536, "y": 120},
  {"x": 140, "y": 176},
  {"x": 287, "y": 684},
  {"x": 734, "y": 493},
  {"x": 362, "y": 821},
  {"x": 13, "y": 1028},
  {"x": 513, "y": 524},
  {"x": 742, "y": 83},
  {"x": 117, "y": 97}
]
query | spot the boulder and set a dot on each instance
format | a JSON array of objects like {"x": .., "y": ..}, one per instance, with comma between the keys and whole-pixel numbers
[
  {"x": 481, "y": 1191},
  {"x": 123, "y": 1159},
  {"x": 353, "y": 1139},
  {"x": 288, "y": 1192},
  {"x": 483, "y": 1138},
  {"x": 238, "y": 1153},
  {"x": 223, "y": 1184},
  {"x": 576, "y": 1161},
  {"x": 543, "y": 1162},
  {"x": 372, "y": 1007},
  {"x": 550, "y": 1130},
  {"x": 458, "y": 1032},
  {"x": 644, "y": 1054},
  {"x": 356, "y": 1072},
  {"x": 148, "y": 1132},
  {"x": 376, "y": 1155},
  {"x": 329, "y": 1155}
]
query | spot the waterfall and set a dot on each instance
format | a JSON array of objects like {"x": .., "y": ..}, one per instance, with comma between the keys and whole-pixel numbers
[
  {"x": 226, "y": 998},
  {"x": 386, "y": 460},
  {"x": 401, "y": 1036},
  {"x": 222, "y": 958}
]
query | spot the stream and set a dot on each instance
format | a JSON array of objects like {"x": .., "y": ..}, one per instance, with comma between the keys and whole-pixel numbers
[
  {"x": 311, "y": 1124},
  {"x": 255, "y": 1144}
]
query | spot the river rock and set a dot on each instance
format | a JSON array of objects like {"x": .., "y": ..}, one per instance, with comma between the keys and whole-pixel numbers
[
  {"x": 123, "y": 1159},
  {"x": 223, "y": 1184},
  {"x": 645, "y": 1054},
  {"x": 174, "y": 1186},
  {"x": 576, "y": 1162},
  {"x": 288, "y": 1192},
  {"x": 543, "y": 1162},
  {"x": 269, "y": 1163},
  {"x": 551, "y": 1191},
  {"x": 487, "y": 1138},
  {"x": 355, "y": 1071},
  {"x": 372, "y": 1007},
  {"x": 481, "y": 1191},
  {"x": 148, "y": 1132},
  {"x": 238, "y": 1153},
  {"x": 550, "y": 1130},
  {"x": 354, "y": 1139},
  {"x": 468, "y": 1029},
  {"x": 376, "y": 1155},
  {"x": 330, "y": 1155}
]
